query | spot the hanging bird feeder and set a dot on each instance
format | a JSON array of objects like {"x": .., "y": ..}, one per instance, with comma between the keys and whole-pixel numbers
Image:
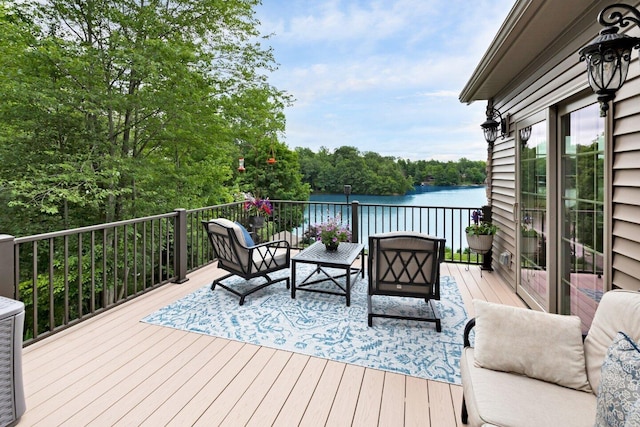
[
  {"x": 241, "y": 164},
  {"x": 271, "y": 160}
]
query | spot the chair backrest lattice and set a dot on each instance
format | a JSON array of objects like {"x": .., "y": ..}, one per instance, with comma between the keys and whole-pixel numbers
[
  {"x": 405, "y": 263},
  {"x": 227, "y": 247},
  {"x": 227, "y": 241}
]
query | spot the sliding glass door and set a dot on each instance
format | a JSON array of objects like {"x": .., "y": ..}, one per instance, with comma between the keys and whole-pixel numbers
[
  {"x": 533, "y": 284},
  {"x": 581, "y": 246}
]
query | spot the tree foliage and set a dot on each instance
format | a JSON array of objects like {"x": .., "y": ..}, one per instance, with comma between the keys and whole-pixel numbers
[
  {"x": 118, "y": 109},
  {"x": 371, "y": 173}
]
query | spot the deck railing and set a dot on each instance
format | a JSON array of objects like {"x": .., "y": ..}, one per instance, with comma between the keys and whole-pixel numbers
[{"x": 69, "y": 276}]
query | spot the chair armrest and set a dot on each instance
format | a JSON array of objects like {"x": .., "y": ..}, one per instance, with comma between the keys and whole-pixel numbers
[
  {"x": 467, "y": 330},
  {"x": 274, "y": 243}
]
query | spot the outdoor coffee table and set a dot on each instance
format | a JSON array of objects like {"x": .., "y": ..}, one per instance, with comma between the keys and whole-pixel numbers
[{"x": 322, "y": 258}]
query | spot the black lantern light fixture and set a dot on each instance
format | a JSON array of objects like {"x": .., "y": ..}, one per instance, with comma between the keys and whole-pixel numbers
[
  {"x": 491, "y": 125},
  {"x": 525, "y": 134},
  {"x": 609, "y": 54},
  {"x": 347, "y": 191}
]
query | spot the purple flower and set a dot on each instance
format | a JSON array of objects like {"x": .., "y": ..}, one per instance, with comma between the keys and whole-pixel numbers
[
  {"x": 332, "y": 231},
  {"x": 476, "y": 216}
]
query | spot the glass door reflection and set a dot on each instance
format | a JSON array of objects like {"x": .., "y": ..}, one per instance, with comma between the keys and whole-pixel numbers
[{"x": 533, "y": 282}]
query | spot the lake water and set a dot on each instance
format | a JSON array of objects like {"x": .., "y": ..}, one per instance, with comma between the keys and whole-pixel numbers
[
  {"x": 426, "y": 210},
  {"x": 462, "y": 197}
]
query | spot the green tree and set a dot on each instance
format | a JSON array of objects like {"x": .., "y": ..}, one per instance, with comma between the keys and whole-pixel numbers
[
  {"x": 367, "y": 173},
  {"x": 121, "y": 109}
]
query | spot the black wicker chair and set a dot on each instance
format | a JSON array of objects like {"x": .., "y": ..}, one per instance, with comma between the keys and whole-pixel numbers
[
  {"x": 405, "y": 264},
  {"x": 248, "y": 262}
]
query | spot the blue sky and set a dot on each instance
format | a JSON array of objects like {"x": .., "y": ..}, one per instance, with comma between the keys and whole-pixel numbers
[{"x": 382, "y": 75}]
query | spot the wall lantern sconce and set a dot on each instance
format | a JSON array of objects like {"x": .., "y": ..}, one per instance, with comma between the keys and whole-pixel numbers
[
  {"x": 525, "y": 134},
  {"x": 491, "y": 125},
  {"x": 609, "y": 54}
]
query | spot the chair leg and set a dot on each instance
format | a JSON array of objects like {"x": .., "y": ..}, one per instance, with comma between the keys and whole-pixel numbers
[
  {"x": 436, "y": 315},
  {"x": 464, "y": 415}
]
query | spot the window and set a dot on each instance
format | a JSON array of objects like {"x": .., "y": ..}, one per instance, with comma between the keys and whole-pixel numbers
[{"x": 582, "y": 212}]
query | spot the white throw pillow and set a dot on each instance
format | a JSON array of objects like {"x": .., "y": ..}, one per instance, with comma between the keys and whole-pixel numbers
[{"x": 539, "y": 345}]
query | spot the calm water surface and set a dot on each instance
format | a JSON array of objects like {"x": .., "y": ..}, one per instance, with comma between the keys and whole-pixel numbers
[
  {"x": 413, "y": 213},
  {"x": 460, "y": 197}
]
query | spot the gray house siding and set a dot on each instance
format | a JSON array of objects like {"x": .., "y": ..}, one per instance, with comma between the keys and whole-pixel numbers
[
  {"x": 503, "y": 199},
  {"x": 625, "y": 242},
  {"x": 530, "y": 71}
]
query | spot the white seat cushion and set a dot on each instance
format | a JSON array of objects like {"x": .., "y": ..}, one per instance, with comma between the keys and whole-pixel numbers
[{"x": 507, "y": 399}]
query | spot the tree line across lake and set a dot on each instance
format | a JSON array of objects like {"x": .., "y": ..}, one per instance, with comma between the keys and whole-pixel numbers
[{"x": 370, "y": 173}]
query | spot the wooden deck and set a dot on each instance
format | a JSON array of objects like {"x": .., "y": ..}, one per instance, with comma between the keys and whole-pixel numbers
[{"x": 115, "y": 370}]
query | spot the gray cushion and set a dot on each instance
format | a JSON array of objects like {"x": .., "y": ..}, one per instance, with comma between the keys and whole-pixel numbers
[
  {"x": 543, "y": 346},
  {"x": 619, "y": 389}
]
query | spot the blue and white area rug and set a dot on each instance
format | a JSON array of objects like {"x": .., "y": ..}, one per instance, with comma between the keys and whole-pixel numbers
[{"x": 322, "y": 325}]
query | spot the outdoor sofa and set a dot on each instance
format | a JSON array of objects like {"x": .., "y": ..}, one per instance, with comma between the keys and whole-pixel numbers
[{"x": 528, "y": 368}]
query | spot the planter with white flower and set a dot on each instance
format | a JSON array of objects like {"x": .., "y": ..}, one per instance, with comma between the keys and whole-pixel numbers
[
  {"x": 529, "y": 243},
  {"x": 480, "y": 236}
]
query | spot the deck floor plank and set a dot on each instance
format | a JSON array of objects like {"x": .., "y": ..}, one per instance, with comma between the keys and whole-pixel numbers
[
  {"x": 368, "y": 407},
  {"x": 320, "y": 405},
  {"x": 149, "y": 401},
  {"x": 417, "y": 403},
  {"x": 392, "y": 406},
  {"x": 296, "y": 404},
  {"x": 193, "y": 387},
  {"x": 200, "y": 403},
  {"x": 250, "y": 400},
  {"x": 346, "y": 398},
  {"x": 150, "y": 376},
  {"x": 441, "y": 404},
  {"x": 271, "y": 405},
  {"x": 220, "y": 407},
  {"x": 113, "y": 369}
]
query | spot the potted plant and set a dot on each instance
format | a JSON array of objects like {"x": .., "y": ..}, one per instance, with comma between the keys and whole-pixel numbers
[
  {"x": 258, "y": 209},
  {"x": 529, "y": 243},
  {"x": 480, "y": 233},
  {"x": 332, "y": 232}
]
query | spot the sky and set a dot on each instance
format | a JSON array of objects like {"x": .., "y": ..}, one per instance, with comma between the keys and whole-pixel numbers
[{"x": 382, "y": 75}]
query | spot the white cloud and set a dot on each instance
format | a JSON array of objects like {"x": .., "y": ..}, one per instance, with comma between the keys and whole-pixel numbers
[{"x": 383, "y": 76}]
